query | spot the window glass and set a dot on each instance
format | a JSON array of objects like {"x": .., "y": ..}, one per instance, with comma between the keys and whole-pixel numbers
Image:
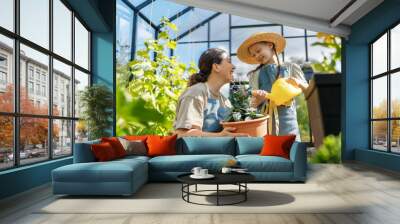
[
  {"x": 81, "y": 45},
  {"x": 157, "y": 9},
  {"x": 295, "y": 50},
  {"x": 124, "y": 32},
  {"x": 379, "y": 135},
  {"x": 6, "y": 142},
  {"x": 7, "y": 14},
  {"x": 199, "y": 34},
  {"x": 62, "y": 29},
  {"x": 379, "y": 56},
  {"x": 62, "y": 89},
  {"x": 292, "y": 31},
  {"x": 34, "y": 21},
  {"x": 395, "y": 136},
  {"x": 379, "y": 98},
  {"x": 395, "y": 47},
  {"x": 38, "y": 102},
  {"x": 395, "y": 95},
  {"x": 6, "y": 74},
  {"x": 219, "y": 28},
  {"x": 144, "y": 32},
  {"x": 62, "y": 138},
  {"x": 34, "y": 144},
  {"x": 81, "y": 82}
]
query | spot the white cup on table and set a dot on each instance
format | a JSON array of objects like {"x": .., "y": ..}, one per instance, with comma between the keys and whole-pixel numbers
[
  {"x": 196, "y": 171},
  {"x": 203, "y": 172}
]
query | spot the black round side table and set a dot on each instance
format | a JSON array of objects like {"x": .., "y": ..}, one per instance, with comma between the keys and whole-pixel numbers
[{"x": 238, "y": 179}]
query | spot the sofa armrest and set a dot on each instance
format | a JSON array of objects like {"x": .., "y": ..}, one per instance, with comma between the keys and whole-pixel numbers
[
  {"x": 83, "y": 152},
  {"x": 298, "y": 155}
]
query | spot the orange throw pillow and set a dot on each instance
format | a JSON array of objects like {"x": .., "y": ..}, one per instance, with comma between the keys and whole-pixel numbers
[
  {"x": 161, "y": 145},
  {"x": 136, "y": 137},
  {"x": 277, "y": 145},
  {"x": 116, "y": 145},
  {"x": 103, "y": 151}
]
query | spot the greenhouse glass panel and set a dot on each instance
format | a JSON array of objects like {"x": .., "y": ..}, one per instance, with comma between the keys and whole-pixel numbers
[
  {"x": 222, "y": 45},
  {"x": 157, "y": 9},
  {"x": 316, "y": 53},
  {"x": 191, "y": 19},
  {"x": 295, "y": 50},
  {"x": 199, "y": 34},
  {"x": 187, "y": 53},
  {"x": 124, "y": 32},
  {"x": 144, "y": 32},
  {"x": 292, "y": 31},
  {"x": 219, "y": 28},
  {"x": 136, "y": 2}
]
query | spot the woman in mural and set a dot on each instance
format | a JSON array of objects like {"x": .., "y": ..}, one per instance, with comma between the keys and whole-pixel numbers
[
  {"x": 202, "y": 107},
  {"x": 263, "y": 49}
]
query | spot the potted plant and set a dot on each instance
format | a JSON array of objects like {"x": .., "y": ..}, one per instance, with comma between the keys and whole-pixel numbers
[
  {"x": 242, "y": 116},
  {"x": 96, "y": 103}
]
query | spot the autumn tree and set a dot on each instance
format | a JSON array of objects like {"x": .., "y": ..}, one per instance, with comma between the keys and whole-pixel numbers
[{"x": 32, "y": 130}]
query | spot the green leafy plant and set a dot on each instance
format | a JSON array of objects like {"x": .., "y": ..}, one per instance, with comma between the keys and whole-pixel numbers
[
  {"x": 96, "y": 102},
  {"x": 329, "y": 151},
  {"x": 239, "y": 97},
  {"x": 328, "y": 64},
  {"x": 148, "y": 88}
]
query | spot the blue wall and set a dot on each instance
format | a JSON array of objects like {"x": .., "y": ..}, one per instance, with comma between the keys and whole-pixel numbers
[
  {"x": 99, "y": 15},
  {"x": 356, "y": 83}
]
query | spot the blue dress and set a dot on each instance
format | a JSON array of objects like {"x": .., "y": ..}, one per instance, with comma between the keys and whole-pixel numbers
[{"x": 287, "y": 114}]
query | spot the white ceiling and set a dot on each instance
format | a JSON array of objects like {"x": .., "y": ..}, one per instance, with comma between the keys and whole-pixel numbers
[{"x": 315, "y": 15}]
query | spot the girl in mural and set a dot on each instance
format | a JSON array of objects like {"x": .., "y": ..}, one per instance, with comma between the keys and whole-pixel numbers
[
  {"x": 263, "y": 49},
  {"x": 202, "y": 107}
]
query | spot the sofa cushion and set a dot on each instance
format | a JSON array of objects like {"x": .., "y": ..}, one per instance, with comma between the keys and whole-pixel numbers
[
  {"x": 206, "y": 145},
  {"x": 134, "y": 147},
  {"x": 103, "y": 152},
  {"x": 249, "y": 145},
  {"x": 83, "y": 152},
  {"x": 116, "y": 145},
  {"x": 161, "y": 145},
  {"x": 111, "y": 171},
  {"x": 277, "y": 145},
  {"x": 185, "y": 163},
  {"x": 257, "y": 163}
]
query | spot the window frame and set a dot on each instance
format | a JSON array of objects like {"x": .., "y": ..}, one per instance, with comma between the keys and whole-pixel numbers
[
  {"x": 388, "y": 74},
  {"x": 16, "y": 114}
]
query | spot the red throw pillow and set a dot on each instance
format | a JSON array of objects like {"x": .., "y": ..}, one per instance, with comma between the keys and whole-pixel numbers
[
  {"x": 103, "y": 151},
  {"x": 161, "y": 145},
  {"x": 116, "y": 145},
  {"x": 277, "y": 145},
  {"x": 136, "y": 137}
]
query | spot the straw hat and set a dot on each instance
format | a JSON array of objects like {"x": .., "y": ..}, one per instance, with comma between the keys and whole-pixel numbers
[{"x": 243, "y": 51}]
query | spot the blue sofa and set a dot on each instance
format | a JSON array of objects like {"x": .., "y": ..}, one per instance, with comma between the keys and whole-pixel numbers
[{"x": 125, "y": 176}]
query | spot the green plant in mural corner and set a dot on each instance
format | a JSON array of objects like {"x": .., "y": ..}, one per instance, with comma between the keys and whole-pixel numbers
[
  {"x": 96, "y": 102},
  {"x": 148, "y": 89},
  {"x": 329, "y": 151},
  {"x": 328, "y": 64}
]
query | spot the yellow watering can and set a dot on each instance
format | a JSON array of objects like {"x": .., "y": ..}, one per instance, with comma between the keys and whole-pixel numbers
[{"x": 282, "y": 93}]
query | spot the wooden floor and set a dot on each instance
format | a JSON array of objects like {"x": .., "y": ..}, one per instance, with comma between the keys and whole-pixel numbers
[{"x": 378, "y": 188}]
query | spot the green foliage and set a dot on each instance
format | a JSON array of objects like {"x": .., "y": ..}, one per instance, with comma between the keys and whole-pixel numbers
[
  {"x": 329, "y": 151},
  {"x": 96, "y": 102},
  {"x": 328, "y": 64},
  {"x": 239, "y": 97},
  {"x": 302, "y": 118},
  {"x": 148, "y": 90}
]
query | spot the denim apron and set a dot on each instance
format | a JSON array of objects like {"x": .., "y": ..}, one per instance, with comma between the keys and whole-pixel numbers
[
  {"x": 287, "y": 114},
  {"x": 214, "y": 113}
]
